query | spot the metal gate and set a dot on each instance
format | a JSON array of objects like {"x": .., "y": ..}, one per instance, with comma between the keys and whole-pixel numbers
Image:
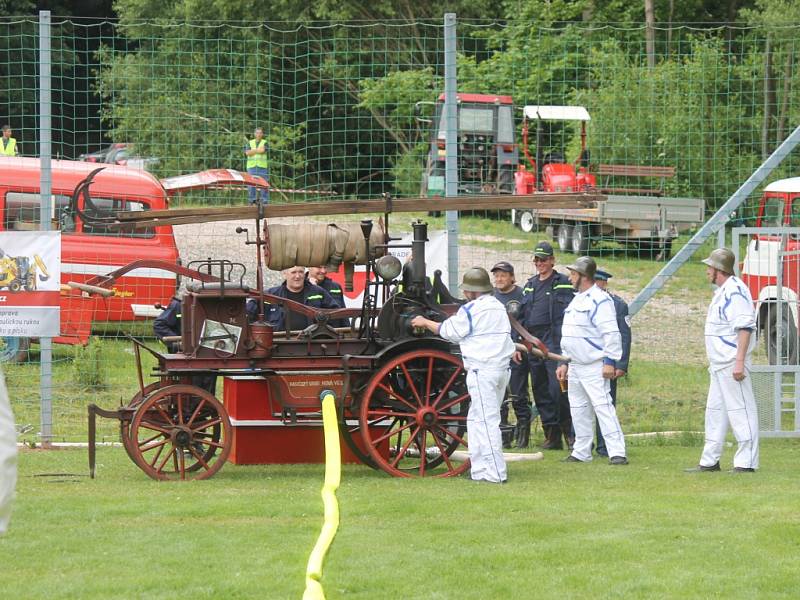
[{"x": 769, "y": 261}]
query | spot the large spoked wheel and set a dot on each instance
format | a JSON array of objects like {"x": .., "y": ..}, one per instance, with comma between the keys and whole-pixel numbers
[
  {"x": 180, "y": 432},
  {"x": 413, "y": 415},
  {"x": 125, "y": 424}
]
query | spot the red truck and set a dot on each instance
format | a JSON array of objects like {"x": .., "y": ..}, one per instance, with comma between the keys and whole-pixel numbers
[
  {"x": 91, "y": 250},
  {"x": 776, "y": 310}
]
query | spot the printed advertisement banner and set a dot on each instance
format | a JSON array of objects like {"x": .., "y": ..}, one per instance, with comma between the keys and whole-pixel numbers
[{"x": 30, "y": 283}]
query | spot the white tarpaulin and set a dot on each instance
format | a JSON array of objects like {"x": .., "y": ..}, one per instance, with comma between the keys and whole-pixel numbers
[{"x": 30, "y": 281}]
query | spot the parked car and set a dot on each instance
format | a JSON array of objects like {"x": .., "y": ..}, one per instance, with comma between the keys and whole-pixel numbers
[{"x": 100, "y": 156}]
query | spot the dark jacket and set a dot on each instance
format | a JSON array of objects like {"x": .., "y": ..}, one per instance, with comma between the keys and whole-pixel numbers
[
  {"x": 621, "y": 308},
  {"x": 334, "y": 289},
  {"x": 505, "y": 298},
  {"x": 559, "y": 294},
  {"x": 313, "y": 296},
  {"x": 168, "y": 323}
]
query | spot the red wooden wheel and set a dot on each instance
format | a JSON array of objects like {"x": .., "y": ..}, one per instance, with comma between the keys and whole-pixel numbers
[
  {"x": 413, "y": 415},
  {"x": 125, "y": 424},
  {"x": 180, "y": 432}
]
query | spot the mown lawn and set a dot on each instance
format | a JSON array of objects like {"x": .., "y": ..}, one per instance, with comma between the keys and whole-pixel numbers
[{"x": 556, "y": 530}]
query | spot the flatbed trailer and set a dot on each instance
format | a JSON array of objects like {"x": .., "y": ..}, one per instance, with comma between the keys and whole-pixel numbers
[{"x": 648, "y": 223}]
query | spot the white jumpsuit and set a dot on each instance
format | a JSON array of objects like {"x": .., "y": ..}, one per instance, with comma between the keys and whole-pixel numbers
[
  {"x": 483, "y": 331},
  {"x": 8, "y": 456},
  {"x": 730, "y": 401},
  {"x": 590, "y": 336}
]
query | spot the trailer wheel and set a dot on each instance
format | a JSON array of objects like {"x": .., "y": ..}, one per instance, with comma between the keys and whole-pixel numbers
[
  {"x": 180, "y": 432},
  {"x": 789, "y": 335},
  {"x": 14, "y": 349},
  {"x": 565, "y": 237},
  {"x": 581, "y": 239},
  {"x": 414, "y": 415},
  {"x": 527, "y": 222}
]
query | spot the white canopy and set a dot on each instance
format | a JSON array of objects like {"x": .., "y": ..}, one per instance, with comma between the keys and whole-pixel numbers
[
  {"x": 790, "y": 185},
  {"x": 557, "y": 113}
]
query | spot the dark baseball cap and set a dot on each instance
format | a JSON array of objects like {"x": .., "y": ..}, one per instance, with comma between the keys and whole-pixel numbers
[
  {"x": 602, "y": 275},
  {"x": 543, "y": 249},
  {"x": 504, "y": 266}
]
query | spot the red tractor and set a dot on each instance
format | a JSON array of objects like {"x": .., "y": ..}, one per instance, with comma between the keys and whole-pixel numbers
[{"x": 550, "y": 171}]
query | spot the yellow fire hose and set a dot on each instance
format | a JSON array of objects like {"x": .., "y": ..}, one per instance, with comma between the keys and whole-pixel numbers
[{"x": 333, "y": 475}]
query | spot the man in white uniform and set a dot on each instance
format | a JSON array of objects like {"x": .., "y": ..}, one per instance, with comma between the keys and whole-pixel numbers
[
  {"x": 730, "y": 323},
  {"x": 8, "y": 456},
  {"x": 483, "y": 331},
  {"x": 590, "y": 336}
]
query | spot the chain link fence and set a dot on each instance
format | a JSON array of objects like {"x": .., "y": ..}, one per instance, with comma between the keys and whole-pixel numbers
[{"x": 351, "y": 111}]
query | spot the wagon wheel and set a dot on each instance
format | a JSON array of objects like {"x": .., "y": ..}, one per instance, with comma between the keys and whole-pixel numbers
[
  {"x": 350, "y": 430},
  {"x": 180, "y": 432},
  {"x": 416, "y": 408},
  {"x": 125, "y": 424}
]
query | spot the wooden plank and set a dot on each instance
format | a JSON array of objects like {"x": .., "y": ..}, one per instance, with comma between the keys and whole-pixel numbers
[
  {"x": 636, "y": 171},
  {"x": 180, "y": 216}
]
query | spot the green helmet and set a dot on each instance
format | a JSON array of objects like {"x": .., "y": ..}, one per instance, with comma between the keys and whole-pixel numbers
[
  {"x": 584, "y": 265},
  {"x": 476, "y": 279},
  {"x": 721, "y": 259}
]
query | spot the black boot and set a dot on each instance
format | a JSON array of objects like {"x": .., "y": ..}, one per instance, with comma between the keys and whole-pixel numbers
[
  {"x": 523, "y": 433},
  {"x": 569, "y": 436},
  {"x": 507, "y": 432},
  {"x": 553, "y": 438}
]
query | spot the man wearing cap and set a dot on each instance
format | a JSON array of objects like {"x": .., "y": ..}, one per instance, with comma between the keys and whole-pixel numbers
[
  {"x": 730, "y": 341},
  {"x": 483, "y": 331},
  {"x": 591, "y": 338},
  {"x": 623, "y": 322},
  {"x": 506, "y": 290},
  {"x": 545, "y": 297}
]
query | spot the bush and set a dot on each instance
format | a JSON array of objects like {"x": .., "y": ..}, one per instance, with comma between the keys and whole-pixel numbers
[{"x": 88, "y": 368}]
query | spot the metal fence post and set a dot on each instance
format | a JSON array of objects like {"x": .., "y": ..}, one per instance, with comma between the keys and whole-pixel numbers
[
  {"x": 451, "y": 147},
  {"x": 45, "y": 153}
]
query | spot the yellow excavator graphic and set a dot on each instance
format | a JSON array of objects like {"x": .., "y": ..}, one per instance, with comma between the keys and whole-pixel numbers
[{"x": 19, "y": 272}]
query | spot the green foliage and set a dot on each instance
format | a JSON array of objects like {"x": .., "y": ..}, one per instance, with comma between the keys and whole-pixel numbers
[{"x": 89, "y": 365}]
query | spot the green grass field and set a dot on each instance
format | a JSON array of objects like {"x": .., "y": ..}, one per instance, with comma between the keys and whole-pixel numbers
[{"x": 556, "y": 530}]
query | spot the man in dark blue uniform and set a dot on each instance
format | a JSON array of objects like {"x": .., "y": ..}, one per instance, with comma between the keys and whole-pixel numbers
[
  {"x": 506, "y": 290},
  {"x": 545, "y": 297},
  {"x": 168, "y": 324},
  {"x": 294, "y": 287},
  {"x": 623, "y": 322},
  {"x": 319, "y": 276}
]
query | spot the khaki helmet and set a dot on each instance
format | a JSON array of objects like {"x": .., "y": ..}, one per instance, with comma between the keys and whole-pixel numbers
[
  {"x": 476, "y": 279},
  {"x": 721, "y": 259},
  {"x": 584, "y": 265}
]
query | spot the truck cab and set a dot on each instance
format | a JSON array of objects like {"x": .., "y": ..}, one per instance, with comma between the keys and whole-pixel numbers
[
  {"x": 776, "y": 301},
  {"x": 92, "y": 249},
  {"x": 487, "y": 153}
]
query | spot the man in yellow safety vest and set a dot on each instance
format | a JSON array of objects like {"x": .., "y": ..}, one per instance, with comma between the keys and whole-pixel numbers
[
  {"x": 8, "y": 146},
  {"x": 256, "y": 152}
]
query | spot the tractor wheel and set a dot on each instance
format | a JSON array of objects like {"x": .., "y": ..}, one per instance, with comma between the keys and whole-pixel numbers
[
  {"x": 789, "y": 340},
  {"x": 565, "y": 237},
  {"x": 14, "y": 349},
  {"x": 581, "y": 239},
  {"x": 413, "y": 415},
  {"x": 15, "y": 286},
  {"x": 527, "y": 222},
  {"x": 180, "y": 432}
]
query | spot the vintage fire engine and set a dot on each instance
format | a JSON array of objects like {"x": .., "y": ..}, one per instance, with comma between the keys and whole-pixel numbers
[{"x": 401, "y": 394}]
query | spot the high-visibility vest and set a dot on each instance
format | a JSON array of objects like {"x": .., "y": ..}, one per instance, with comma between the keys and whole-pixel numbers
[
  {"x": 257, "y": 160},
  {"x": 9, "y": 149}
]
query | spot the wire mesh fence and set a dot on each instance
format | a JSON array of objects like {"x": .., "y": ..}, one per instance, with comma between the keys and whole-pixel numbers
[{"x": 351, "y": 111}]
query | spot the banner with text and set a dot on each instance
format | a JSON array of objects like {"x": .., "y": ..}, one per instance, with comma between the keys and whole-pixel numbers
[{"x": 30, "y": 283}]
